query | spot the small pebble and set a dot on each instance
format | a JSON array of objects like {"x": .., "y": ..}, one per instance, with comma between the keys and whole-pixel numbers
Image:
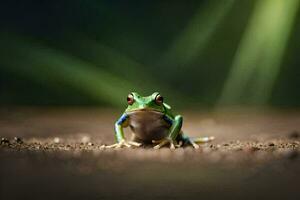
[
  {"x": 56, "y": 140},
  {"x": 271, "y": 144},
  {"x": 254, "y": 148},
  {"x": 90, "y": 144},
  {"x": 85, "y": 139},
  {"x": 4, "y": 141},
  {"x": 18, "y": 140}
]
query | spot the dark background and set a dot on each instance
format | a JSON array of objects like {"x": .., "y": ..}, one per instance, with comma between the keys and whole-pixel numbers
[{"x": 78, "y": 52}]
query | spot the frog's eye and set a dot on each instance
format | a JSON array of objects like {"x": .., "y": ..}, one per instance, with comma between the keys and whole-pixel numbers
[
  {"x": 130, "y": 99},
  {"x": 159, "y": 99}
]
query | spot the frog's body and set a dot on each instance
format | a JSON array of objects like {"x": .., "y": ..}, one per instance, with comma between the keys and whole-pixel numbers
[
  {"x": 151, "y": 121},
  {"x": 148, "y": 125}
]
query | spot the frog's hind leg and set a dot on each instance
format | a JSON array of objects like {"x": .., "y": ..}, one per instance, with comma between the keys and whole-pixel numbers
[{"x": 195, "y": 141}]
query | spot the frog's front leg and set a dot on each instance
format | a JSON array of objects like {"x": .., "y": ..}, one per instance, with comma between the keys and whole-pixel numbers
[
  {"x": 119, "y": 134},
  {"x": 173, "y": 133}
]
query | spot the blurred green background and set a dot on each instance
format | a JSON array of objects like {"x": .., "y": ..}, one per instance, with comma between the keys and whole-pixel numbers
[{"x": 203, "y": 53}]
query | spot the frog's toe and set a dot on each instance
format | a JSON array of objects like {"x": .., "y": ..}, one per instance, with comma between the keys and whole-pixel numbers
[
  {"x": 136, "y": 144},
  {"x": 163, "y": 143},
  {"x": 196, "y": 146},
  {"x": 172, "y": 145},
  {"x": 110, "y": 146},
  {"x": 159, "y": 145},
  {"x": 180, "y": 143},
  {"x": 193, "y": 143},
  {"x": 123, "y": 144}
]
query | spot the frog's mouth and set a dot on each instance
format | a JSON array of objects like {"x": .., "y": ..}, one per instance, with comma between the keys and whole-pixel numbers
[{"x": 145, "y": 110}]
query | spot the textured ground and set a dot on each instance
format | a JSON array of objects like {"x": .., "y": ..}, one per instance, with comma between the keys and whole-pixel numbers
[{"x": 57, "y": 154}]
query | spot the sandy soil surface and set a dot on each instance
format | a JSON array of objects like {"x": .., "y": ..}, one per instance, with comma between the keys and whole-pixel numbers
[{"x": 55, "y": 153}]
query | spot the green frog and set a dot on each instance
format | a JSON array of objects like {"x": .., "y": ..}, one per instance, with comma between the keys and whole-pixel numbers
[{"x": 152, "y": 122}]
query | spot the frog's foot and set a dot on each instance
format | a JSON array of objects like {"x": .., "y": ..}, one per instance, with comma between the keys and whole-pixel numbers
[
  {"x": 180, "y": 144},
  {"x": 123, "y": 143},
  {"x": 203, "y": 139},
  {"x": 195, "y": 141},
  {"x": 163, "y": 142}
]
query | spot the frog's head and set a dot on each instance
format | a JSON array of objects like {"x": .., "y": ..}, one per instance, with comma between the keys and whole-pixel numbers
[{"x": 136, "y": 102}]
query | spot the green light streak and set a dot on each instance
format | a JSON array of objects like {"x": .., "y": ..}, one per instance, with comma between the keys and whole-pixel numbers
[
  {"x": 257, "y": 61},
  {"x": 191, "y": 42},
  {"x": 53, "y": 67}
]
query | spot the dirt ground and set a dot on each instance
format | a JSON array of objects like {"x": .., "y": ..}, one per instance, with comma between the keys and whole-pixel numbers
[{"x": 55, "y": 153}]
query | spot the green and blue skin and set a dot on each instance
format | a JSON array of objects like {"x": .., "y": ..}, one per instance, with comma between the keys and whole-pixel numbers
[{"x": 159, "y": 114}]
